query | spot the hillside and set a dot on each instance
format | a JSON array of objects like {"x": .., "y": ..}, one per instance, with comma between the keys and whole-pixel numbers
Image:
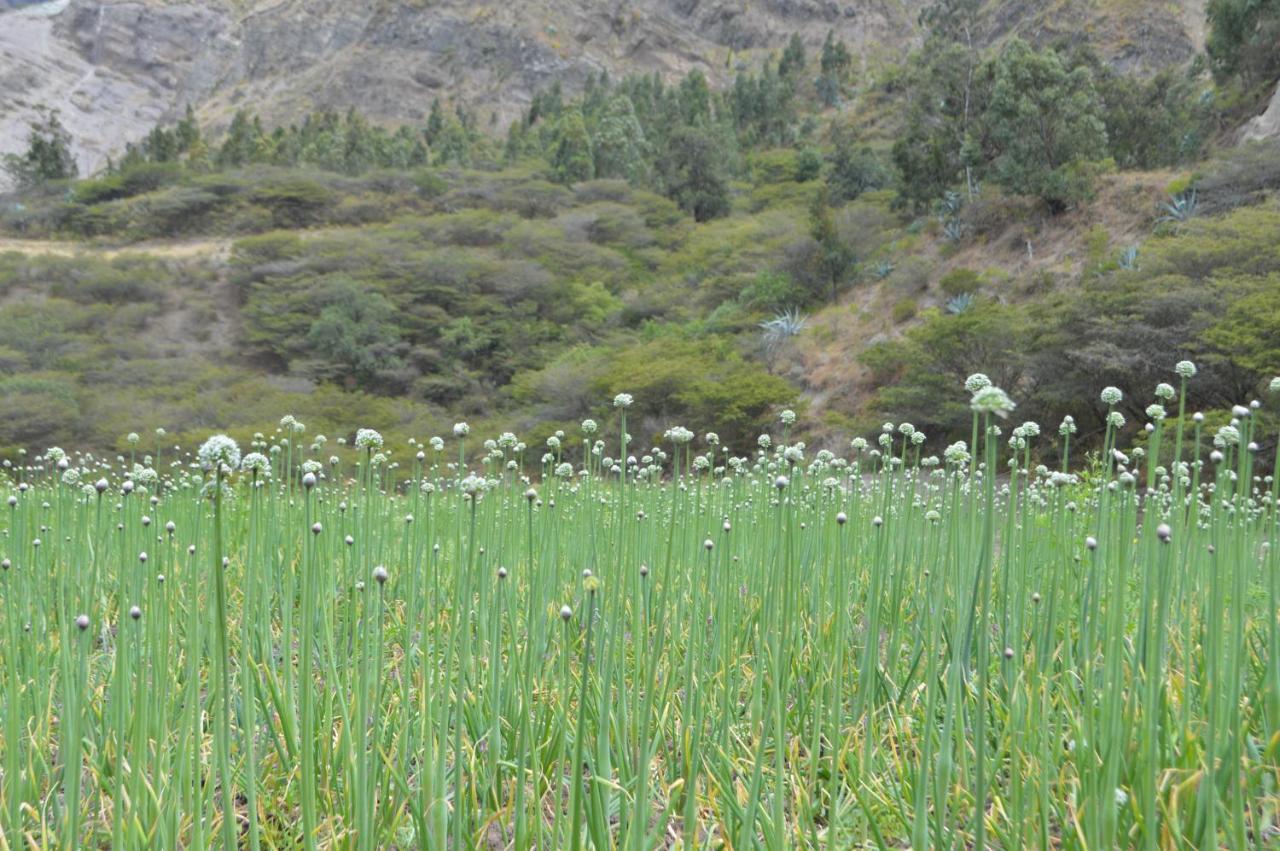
[
  {"x": 115, "y": 68},
  {"x": 513, "y": 302},
  {"x": 799, "y": 233}
]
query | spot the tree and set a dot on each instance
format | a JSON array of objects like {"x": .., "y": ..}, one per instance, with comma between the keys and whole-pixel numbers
[
  {"x": 571, "y": 155},
  {"x": 1157, "y": 122},
  {"x": 1244, "y": 40},
  {"x": 954, "y": 24},
  {"x": 48, "y": 155},
  {"x": 188, "y": 131},
  {"x": 1045, "y": 122},
  {"x": 835, "y": 67},
  {"x": 952, "y": 21},
  {"x": 435, "y": 121},
  {"x": 355, "y": 339},
  {"x": 834, "y": 258},
  {"x": 854, "y": 170},
  {"x": 793, "y": 58},
  {"x": 693, "y": 173},
  {"x": 943, "y": 141},
  {"x": 452, "y": 145},
  {"x": 694, "y": 98},
  {"x": 835, "y": 58},
  {"x": 244, "y": 142},
  {"x": 921, "y": 376},
  {"x": 618, "y": 143}
]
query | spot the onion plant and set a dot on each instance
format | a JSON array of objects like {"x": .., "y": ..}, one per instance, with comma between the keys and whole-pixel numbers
[{"x": 362, "y": 646}]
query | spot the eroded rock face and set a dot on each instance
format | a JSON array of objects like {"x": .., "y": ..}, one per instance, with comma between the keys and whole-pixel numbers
[
  {"x": 114, "y": 68},
  {"x": 111, "y": 70},
  {"x": 1266, "y": 125}
]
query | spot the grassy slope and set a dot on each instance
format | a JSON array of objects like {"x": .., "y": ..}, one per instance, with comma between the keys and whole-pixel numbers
[{"x": 567, "y": 289}]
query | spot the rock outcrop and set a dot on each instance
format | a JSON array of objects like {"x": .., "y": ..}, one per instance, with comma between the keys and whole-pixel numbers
[{"x": 114, "y": 68}]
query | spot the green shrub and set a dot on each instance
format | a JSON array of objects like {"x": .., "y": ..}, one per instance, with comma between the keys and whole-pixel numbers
[
  {"x": 430, "y": 184},
  {"x": 1239, "y": 176},
  {"x": 685, "y": 381},
  {"x": 771, "y": 290},
  {"x": 778, "y": 165},
  {"x": 294, "y": 202},
  {"x": 136, "y": 179},
  {"x": 35, "y": 407},
  {"x": 904, "y": 310},
  {"x": 960, "y": 281},
  {"x": 177, "y": 210},
  {"x": 911, "y": 277}
]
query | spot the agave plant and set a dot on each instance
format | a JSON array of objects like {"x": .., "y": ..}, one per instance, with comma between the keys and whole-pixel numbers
[
  {"x": 782, "y": 327},
  {"x": 882, "y": 270},
  {"x": 1129, "y": 258},
  {"x": 949, "y": 206},
  {"x": 953, "y": 230},
  {"x": 1180, "y": 207},
  {"x": 960, "y": 304}
]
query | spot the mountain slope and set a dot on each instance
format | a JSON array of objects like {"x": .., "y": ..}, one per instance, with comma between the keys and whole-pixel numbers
[{"x": 114, "y": 68}]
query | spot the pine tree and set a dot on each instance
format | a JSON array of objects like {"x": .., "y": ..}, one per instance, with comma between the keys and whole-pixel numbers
[
  {"x": 693, "y": 173},
  {"x": 836, "y": 59},
  {"x": 435, "y": 122},
  {"x": 793, "y": 57},
  {"x": 618, "y": 143},
  {"x": 571, "y": 159},
  {"x": 243, "y": 141},
  {"x": 834, "y": 259},
  {"x": 187, "y": 131},
  {"x": 48, "y": 155}
]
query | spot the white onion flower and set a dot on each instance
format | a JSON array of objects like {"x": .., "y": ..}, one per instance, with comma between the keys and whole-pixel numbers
[
  {"x": 976, "y": 382},
  {"x": 622, "y": 400},
  {"x": 219, "y": 452},
  {"x": 367, "y": 438},
  {"x": 1111, "y": 395},
  {"x": 678, "y": 434},
  {"x": 1185, "y": 369},
  {"x": 1227, "y": 436},
  {"x": 461, "y": 429},
  {"x": 992, "y": 400}
]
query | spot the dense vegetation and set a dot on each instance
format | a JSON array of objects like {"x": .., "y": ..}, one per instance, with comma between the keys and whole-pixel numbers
[
  {"x": 610, "y": 631},
  {"x": 664, "y": 236},
  {"x": 691, "y": 647}
]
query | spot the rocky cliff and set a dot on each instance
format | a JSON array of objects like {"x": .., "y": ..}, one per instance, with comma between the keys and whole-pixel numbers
[{"x": 113, "y": 68}]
